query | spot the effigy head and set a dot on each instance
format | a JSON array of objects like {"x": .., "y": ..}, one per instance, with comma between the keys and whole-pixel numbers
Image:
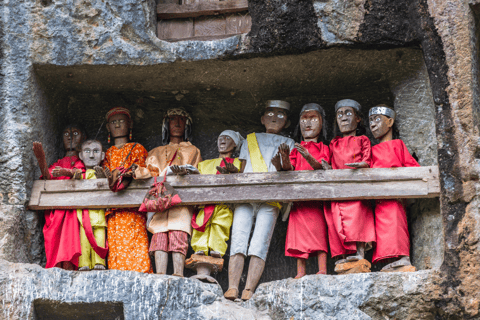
[
  {"x": 119, "y": 122},
  {"x": 381, "y": 119},
  {"x": 91, "y": 153},
  {"x": 275, "y": 117},
  {"x": 348, "y": 116},
  {"x": 228, "y": 141},
  {"x": 312, "y": 122},
  {"x": 177, "y": 122}
]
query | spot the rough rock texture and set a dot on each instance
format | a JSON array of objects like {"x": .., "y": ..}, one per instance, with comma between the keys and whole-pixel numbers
[
  {"x": 31, "y": 292},
  {"x": 74, "y": 59}
]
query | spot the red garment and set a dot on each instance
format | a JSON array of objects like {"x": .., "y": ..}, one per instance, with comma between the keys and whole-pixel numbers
[
  {"x": 349, "y": 221},
  {"x": 307, "y": 229},
  {"x": 393, "y": 239},
  {"x": 62, "y": 229}
]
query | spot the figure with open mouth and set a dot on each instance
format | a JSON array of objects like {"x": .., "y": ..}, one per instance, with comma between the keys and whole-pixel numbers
[{"x": 211, "y": 226}]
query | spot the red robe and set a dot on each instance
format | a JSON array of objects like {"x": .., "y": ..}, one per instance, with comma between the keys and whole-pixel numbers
[
  {"x": 393, "y": 239},
  {"x": 62, "y": 229},
  {"x": 349, "y": 221},
  {"x": 307, "y": 229}
]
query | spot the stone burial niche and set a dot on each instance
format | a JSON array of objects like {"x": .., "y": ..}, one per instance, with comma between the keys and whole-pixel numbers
[{"x": 231, "y": 94}]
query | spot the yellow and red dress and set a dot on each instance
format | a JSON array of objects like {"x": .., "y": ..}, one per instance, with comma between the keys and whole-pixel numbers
[{"x": 126, "y": 228}]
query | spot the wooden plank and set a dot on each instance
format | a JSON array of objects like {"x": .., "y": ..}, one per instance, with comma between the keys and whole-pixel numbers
[
  {"x": 175, "y": 11},
  {"x": 238, "y": 23},
  {"x": 175, "y": 29},
  {"x": 207, "y": 38},
  {"x": 210, "y": 26},
  {"x": 391, "y": 183}
]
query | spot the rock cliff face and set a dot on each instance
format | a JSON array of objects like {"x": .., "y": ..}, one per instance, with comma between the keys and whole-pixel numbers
[
  {"x": 31, "y": 292},
  {"x": 71, "y": 60}
]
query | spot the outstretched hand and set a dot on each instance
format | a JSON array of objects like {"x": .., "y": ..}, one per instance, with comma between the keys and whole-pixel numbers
[
  {"x": 228, "y": 168},
  {"x": 314, "y": 163},
  {"x": 284, "y": 151},
  {"x": 358, "y": 165},
  {"x": 277, "y": 162},
  {"x": 99, "y": 173},
  {"x": 325, "y": 165},
  {"x": 179, "y": 171}
]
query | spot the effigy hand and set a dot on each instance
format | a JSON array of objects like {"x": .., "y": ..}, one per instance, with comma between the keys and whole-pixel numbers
[
  {"x": 179, "y": 171},
  {"x": 325, "y": 165},
  {"x": 99, "y": 173},
  {"x": 277, "y": 162},
  {"x": 358, "y": 165}
]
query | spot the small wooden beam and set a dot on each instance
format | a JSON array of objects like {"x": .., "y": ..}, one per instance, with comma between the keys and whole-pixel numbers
[
  {"x": 175, "y": 11},
  {"x": 391, "y": 183}
]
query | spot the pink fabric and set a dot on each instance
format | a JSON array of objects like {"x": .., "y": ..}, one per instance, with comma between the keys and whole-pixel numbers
[
  {"x": 307, "y": 229},
  {"x": 349, "y": 221},
  {"x": 62, "y": 229},
  {"x": 171, "y": 241},
  {"x": 391, "y": 227}
]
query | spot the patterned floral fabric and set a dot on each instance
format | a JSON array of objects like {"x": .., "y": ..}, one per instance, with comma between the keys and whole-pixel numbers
[{"x": 126, "y": 228}]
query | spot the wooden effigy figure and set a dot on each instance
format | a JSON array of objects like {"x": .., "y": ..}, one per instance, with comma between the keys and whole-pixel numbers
[
  {"x": 178, "y": 156},
  {"x": 350, "y": 223},
  {"x": 211, "y": 226},
  {"x": 307, "y": 229},
  {"x": 391, "y": 228},
  {"x": 61, "y": 230},
  {"x": 256, "y": 156}
]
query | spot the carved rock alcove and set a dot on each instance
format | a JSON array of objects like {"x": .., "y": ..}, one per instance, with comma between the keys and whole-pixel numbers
[{"x": 230, "y": 94}]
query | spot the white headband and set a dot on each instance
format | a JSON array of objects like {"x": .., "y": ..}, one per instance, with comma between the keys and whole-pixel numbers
[
  {"x": 237, "y": 137},
  {"x": 383, "y": 111}
]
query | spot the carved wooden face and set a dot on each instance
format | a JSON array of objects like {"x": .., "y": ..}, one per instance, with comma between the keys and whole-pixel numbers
[
  {"x": 310, "y": 124},
  {"x": 118, "y": 125},
  {"x": 92, "y": 154},
  {"x": 347, "y": 120},
  {"x": 274, "y": 120},
  {"x": 177, "y": 126},
  {"x": 380, "y": 125},
  {"x": 225, "y": 144},
  {"x": 72, "y": 138}
]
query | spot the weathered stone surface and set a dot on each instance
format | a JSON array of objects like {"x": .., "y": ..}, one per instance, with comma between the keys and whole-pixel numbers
[{"x": 29, "y": 291}]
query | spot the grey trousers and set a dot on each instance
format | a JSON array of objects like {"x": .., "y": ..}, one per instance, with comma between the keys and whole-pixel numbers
[{"x": 265, "y": 217}]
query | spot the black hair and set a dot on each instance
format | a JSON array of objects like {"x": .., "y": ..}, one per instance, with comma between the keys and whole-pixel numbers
[
  {"x": 297, "y": 133},
  {"x": 166, "y": 131},
  {"x": 360, "y": 127},
  {"x": 72, "y": 126}
]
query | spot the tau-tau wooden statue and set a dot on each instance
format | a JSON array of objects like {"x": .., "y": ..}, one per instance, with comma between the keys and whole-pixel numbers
[
  {"x": 178, "y": 156},
  {"x": 61, "y": 230},
  {"x": 307, "y": 229},
  {"x": 256, "y": 156},
  {"x": 126, "y": 228},
  {"x": 391, "y": 226},
  {"x": 211, "y": 227},
  {"x": 350, "y": 223},
  {"x": 92, "y": 221}
]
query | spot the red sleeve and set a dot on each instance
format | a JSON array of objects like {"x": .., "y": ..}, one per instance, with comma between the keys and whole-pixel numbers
[
  {"x": 327, "y": 153},
  {"x": 408, "y": 160},
  {"x": 366, "y": 151},
  {"x": 79, "y": 165},
  {"x": 293, "y": 157}
]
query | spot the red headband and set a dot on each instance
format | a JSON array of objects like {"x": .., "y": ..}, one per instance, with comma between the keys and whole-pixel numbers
[{"x": 118, "y": 110}]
